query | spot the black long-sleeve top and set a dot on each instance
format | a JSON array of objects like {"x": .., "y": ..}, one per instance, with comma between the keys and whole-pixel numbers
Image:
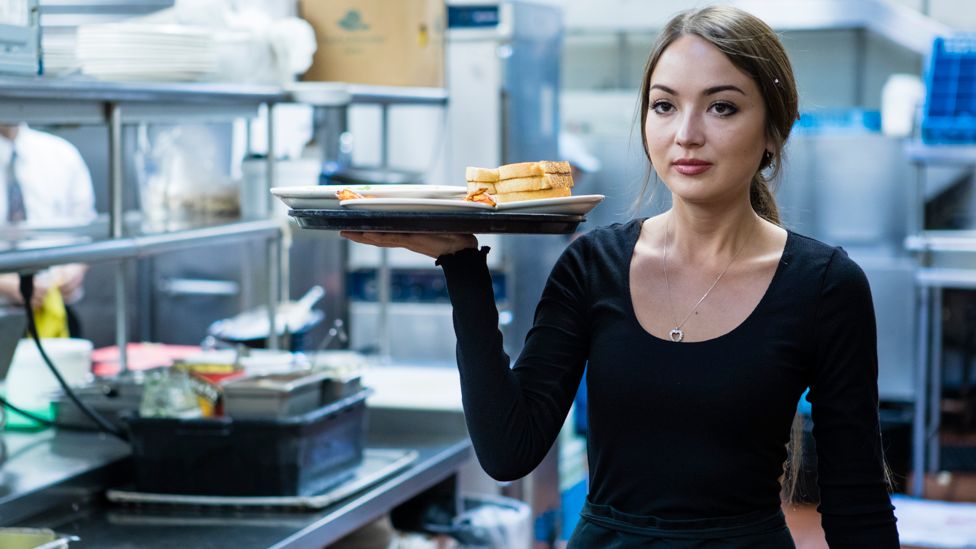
[{"x": 691, "y": 429}]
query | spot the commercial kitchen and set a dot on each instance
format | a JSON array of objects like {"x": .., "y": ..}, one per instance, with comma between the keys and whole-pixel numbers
[{"x": 233, "y": 373}]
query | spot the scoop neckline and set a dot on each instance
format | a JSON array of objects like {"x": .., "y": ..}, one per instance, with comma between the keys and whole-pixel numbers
[{"x": 784, "y": 255}]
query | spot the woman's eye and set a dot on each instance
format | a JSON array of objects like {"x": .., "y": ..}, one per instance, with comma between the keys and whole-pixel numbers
[
  {"x": 663, "y": 107},
  {"x": 724, "y": 109}
]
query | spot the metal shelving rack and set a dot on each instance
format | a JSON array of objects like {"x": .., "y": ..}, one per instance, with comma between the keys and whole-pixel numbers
[
  {"x": 40, "y": 100},
  {"x": 930, "y": 279},
  {"x": 336, "y": 98}
]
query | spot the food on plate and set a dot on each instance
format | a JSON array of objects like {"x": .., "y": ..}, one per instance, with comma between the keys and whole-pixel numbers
[
  {"x": 531, "y": 195},
  {"x": 480, "y": 195},
  {"x": 532, "y": 169},
  {"x": 481, "y": 178},
  {"x": 346, "y": 194},
  {"x": 522, "y": 181}
]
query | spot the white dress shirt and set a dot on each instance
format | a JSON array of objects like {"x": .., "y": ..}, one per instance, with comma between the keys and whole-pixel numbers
[{"x": 53, "y": 178}]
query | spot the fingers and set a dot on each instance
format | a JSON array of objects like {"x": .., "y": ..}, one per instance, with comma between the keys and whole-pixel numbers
[
  {"x": 383, "y": 240},
  {"x": 431, "y": 245}
]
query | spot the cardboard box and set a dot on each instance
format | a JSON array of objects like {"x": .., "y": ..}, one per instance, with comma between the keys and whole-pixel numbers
[{"x": 380, "y": 42}]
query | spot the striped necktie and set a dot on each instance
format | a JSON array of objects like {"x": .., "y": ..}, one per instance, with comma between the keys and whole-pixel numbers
[{"x": 15, "y": 196}]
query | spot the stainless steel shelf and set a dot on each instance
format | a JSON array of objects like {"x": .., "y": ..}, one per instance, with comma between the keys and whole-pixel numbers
[
  {"x": 900, "y": 24},
  {"x": 341, "y": 94},
  {"x": 940, "y": 154},
  {"x": 932, "y": 277},
  {"x": 392, "y": 95},
  {"x": 83, "y": 89},
  {"x": 942, "y": 241},
  {"x": 67, "y": 499},
  {"x": 43, "y": 100},
  {"x": 126, "y": 247}
]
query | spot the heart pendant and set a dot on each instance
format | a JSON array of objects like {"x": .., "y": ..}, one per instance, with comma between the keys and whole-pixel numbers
[{"x": 677, "y": 335}]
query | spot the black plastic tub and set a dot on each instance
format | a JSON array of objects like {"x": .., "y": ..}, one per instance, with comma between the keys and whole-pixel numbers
[{"x": 291, "y": 456}]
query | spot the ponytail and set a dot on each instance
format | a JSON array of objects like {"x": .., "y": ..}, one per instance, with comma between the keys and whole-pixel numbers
[{"x": 762, "y": 199}]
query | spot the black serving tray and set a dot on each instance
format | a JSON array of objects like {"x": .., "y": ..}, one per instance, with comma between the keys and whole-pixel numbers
[{"x": 437, "y": 222}]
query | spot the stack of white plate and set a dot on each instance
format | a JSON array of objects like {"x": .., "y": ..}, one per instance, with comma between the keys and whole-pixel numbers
[
  {"x": 140, "y": 51},
  {"x": 60, "y": 49}
]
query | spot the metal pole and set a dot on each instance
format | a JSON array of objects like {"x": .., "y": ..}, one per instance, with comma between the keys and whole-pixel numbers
[
  {"x": 284, "y": 291},
  {"x": 383, "y": 276},
  {"x": 270, "y": 159},
  {"x": 935, "y": 387},
  {"x": 115, "y": 216},
  {"x": 860, "y": 61},
  {"x": 273, "y": 249},
  {"x": 274, "y": 244},
  {"x": 921, "y": 394}
]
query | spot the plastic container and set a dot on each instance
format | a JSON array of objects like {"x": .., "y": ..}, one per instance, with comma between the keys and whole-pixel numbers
[
  {"x": 838, "y": 121},
  {"x": 300, "y": 455},
  {"x": 30, "y": 383},
  {"x": 949, "y": 115}
]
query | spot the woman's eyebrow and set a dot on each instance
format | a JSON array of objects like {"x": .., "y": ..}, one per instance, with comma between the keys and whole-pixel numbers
[
  {"x": 708, "y": 91},
  {"x": 728, "y": 87}
]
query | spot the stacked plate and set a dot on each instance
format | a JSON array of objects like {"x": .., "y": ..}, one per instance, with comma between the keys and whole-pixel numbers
[
  {"x": 60, "y": 49},
  {"x": 140, "y": 51},
  {"x": 423, "y": 198}
]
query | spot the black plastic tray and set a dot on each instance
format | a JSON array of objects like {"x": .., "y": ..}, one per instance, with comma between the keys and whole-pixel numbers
[{"x": 437, "y": 222}]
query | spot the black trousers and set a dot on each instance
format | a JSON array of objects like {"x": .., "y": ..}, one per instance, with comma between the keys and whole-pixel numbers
[{"x": 604, "y": 527}]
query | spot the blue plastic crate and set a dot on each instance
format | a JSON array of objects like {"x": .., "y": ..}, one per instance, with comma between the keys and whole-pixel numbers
[
  {"x": 833, "y": 121},
  {"x": 950, "y": 102}
]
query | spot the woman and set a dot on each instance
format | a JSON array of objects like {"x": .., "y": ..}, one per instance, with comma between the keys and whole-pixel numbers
[{"x": 701, "y": 327}]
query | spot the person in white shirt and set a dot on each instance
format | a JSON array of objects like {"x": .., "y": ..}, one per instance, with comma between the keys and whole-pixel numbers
[{"x": 43, "y": 181}]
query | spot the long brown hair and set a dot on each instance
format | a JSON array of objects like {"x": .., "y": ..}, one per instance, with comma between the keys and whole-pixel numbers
[{"x": 755, "y": 49}]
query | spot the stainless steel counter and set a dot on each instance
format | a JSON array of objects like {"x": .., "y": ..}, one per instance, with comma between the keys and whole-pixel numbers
[
  {"x": 47, "y": 471},
  {"x": 438, "y": 437}
]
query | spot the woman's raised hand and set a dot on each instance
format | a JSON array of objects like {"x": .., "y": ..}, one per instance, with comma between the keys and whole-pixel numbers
[{"x": 431, "y": 245}]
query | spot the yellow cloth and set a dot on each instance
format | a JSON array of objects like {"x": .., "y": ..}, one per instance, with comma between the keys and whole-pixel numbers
[{"x": 51, "y": 318}]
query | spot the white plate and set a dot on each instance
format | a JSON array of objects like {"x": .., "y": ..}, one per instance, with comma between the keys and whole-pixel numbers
[
  {"x": 579, "y": 205},
  {"x": 413, "y": 205},
  {"x": 322, "y": 197}
]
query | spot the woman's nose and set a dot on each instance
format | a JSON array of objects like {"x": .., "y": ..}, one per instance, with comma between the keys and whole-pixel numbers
[{"x": 690, "y": 132}]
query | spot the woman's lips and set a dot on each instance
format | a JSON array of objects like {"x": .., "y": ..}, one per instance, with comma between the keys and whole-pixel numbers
[{"x": 691, "y": 167}]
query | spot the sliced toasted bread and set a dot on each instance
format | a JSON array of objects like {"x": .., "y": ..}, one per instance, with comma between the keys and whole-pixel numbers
[
  {"x": 488, "y": 175},
  {"x": 549, "y": 166},
  {"x": 537, "y": 183},
  {"x": 532, "y": 169},
  {"x": 532, "y": 195},
  {"x": 475, "y": 185},
  {"x": 522, "y": 169}
]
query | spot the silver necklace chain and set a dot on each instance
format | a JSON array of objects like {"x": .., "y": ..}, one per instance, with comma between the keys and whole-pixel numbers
[{"x": 677, "y": 334}]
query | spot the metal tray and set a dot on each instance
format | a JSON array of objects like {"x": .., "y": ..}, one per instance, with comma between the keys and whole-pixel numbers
[
  {"x": 377, "y": 464},
  {"x": 437, "y": 222}
]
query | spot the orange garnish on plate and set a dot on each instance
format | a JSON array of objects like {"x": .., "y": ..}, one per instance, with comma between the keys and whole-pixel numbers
[
  {"x": 480, "y": 195},
  {"x": 346, "y": 194}
]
